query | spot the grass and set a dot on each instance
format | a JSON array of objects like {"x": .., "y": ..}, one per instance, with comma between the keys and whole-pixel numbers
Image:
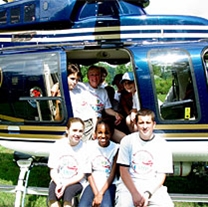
[
  {"x": 9, "y": 172},
  {"x": 39, "y": 176}
]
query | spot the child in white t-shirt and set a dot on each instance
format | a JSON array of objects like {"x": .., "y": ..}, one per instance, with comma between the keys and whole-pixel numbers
[
  {"x": 144, "y": 159},
  {"x": 101, "y": 168},
  {"x": 67, "y": 163}
]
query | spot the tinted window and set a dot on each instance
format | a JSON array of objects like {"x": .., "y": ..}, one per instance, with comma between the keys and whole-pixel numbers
[
  {"x": 174, "y": 84},
  {"x": 29, "y": 13},
  {"x": 206, "y": 65},
  {"x": 109, "y": 8},
  {"x": 15, "y": 15},
  {"x": 99, "y": 9},
  {"x": 3, "y": 17},
  {"x": 129, "y": 8},
  {"x": 25, "y": 88}
]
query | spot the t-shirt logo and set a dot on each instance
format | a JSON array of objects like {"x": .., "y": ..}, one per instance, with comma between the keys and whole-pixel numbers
[
  {"x": 102, "y": 164},
  {"x": 68, "y": 167},
  {"x": 98, "y": 107},
  {"x": 142, "y": 162}
]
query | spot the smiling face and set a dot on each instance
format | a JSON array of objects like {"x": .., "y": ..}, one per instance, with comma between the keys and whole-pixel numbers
[
  {"x": 146, "y": 126},
  {"x": 129, "y": 86},
  {"x": 75, "y": 133},
  {"x": 94, "y": 77},
  {"x": 103, "y": 134},
  {"x": 72, "y": 80}
]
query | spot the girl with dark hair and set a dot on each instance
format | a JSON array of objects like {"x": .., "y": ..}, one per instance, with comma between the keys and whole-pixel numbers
[{"x": 101, "y": 168}]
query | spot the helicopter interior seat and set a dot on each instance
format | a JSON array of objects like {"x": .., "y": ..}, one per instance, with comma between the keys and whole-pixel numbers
[
  {"x": 177, "y": 109},
  {"x": 177, "y": 104}
]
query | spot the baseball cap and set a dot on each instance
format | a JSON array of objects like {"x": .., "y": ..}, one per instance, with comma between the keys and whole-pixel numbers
[{"x": 127, "y": 76}]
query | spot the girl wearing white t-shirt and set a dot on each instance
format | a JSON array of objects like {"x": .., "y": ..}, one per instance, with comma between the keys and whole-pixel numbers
[
  {"x": 67, "y": 163},
  {"x": 101, "y": 168}
]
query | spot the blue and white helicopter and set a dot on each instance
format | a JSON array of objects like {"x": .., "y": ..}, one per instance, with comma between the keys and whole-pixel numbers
[
  {"x": 167, "y": 53},
  {"x": 38, "y": 38}
]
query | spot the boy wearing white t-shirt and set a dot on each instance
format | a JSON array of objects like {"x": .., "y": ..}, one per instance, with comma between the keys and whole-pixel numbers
[{"x": 143, "y": 166}]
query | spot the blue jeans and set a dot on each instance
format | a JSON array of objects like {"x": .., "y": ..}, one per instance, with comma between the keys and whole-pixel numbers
[{"x": 88, "y": 196}]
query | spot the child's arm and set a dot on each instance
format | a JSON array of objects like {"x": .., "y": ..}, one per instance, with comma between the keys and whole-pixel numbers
[
  {"x": 75, "y": 179},
  {"x": 54, "y": 175},
  {"x": 92, "y": 184},
  {"x": 59, "y": 190},
  {"x": 111, "y": 176}
]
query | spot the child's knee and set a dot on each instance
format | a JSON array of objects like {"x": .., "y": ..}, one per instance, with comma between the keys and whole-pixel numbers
[{"x": 54, "y": 204}]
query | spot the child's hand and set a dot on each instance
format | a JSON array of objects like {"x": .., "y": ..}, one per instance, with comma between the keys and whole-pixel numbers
[
  {"x": 97, "y": 200},
  {"x": 59, "y": 191}
]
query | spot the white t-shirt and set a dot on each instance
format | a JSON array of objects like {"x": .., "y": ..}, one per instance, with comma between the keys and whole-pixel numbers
[
  {"x": 99, "y": 99},
  {"x": 80, "y": 102},
  {"x": 117, "y": 96},
  {"x": 68, "y": 160},
  {"x": 100, "y": 161},
  {"x": 145, "y": 158},
  {"x": 136, "y": 102}
]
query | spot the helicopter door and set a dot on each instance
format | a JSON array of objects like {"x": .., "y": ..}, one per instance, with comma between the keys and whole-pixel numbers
[
  {"x": 165, "y": 82},
  {"x": 174, "y": 85}
]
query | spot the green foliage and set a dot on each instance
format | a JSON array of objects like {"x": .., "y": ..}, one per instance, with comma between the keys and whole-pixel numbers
[
  {"x": 163, "y": 80},
  {"x": 162, "y": 85}
]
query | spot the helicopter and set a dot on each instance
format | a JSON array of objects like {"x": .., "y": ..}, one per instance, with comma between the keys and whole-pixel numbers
[{"x": 168, "y": 55}]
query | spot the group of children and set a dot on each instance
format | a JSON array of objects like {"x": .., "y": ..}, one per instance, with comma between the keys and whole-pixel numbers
[
  {"x": 106, "y": 174},
  {"x": 74, "y": 162},
  {"x": 99, "y": 163}
]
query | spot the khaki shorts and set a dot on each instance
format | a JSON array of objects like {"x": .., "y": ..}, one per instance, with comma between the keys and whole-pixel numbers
[{"x": 160, "y": 198}]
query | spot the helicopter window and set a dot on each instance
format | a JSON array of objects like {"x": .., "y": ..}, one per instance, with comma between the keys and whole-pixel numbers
[
  {"x": 29, "y": 13},
  {"x": 173, "y": 84},
  {"x": 88, "y": 10},
  {"x": 206, "y": 65},
  {"x": 129, "y": 8},
  {"x": 109, "y": 8},
  {"x": 15, "y": 15},
  {"x": 3, "y": 17},
  {"x": 25, "y": 88},
  {"x": 98, "y": 9}
]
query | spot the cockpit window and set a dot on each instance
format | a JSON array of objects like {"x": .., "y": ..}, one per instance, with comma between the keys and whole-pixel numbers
[
  {"x": 109, "y": 8},
  {"x": 129, "y": 9},
  {"x": 174, "y": 84},
  {"x": 98, "y": 9}
]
